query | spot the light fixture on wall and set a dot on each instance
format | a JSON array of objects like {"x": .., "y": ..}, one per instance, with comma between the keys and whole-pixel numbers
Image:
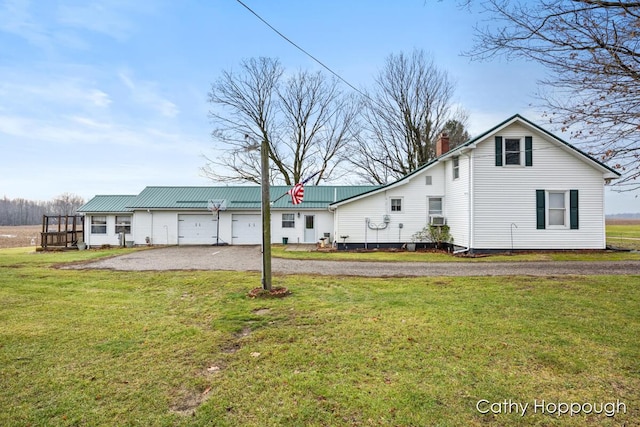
[{"x": 298, "y": 214}]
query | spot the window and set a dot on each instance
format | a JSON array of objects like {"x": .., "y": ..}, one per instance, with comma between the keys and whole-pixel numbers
[
  {"x": 456, "y": 167},
  {"x": 557, "y": 209},
  {"x": 511, "y": 151},
  {"x": 288, "y": 220},
  {"x": 435, "y": 206},
  {"x": 98, "y": 225},
  {"x": 396, "y": 205},
  {"x": 123, "y": 224}
]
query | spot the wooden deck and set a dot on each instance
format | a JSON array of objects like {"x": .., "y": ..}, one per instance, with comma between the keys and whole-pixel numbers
[{"x": 61, "y": 232}]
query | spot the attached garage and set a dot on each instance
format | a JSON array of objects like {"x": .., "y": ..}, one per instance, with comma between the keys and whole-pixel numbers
[
  {"x": 196, "y": 229},
  {"x": 246, "y": 229}
]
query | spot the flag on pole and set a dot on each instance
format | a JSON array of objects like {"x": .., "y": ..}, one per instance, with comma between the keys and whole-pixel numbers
[{"x": 297, "y": 193}]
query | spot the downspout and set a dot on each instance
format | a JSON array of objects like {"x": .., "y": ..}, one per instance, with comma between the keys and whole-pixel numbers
[
  {"x": 470, "y": 227},
  {"x": 150, "y": 242}
]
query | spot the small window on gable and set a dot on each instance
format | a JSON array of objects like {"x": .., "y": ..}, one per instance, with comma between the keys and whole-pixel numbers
[
  {"x": 288, "y": 220},
  {"x": 428, "y": 180},
  {"x": 456, "y": 167},
  {"x": 396, "y": 205},
  {"x": 511, "y": 151}
]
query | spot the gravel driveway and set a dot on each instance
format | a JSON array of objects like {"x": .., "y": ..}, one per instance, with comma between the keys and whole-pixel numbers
[{"x": 248, "y": 258}]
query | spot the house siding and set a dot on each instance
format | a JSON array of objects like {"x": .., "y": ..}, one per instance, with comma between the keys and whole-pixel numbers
[
  {"x": 350, "y": 217},
  {"x": 457, "y": 200},
  {"x": 506, "y": 195},
  {"x": 110, "y": 237}
]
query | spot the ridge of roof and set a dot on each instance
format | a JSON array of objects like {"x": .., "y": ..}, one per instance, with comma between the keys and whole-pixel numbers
[{"x": 472, "y": 141}]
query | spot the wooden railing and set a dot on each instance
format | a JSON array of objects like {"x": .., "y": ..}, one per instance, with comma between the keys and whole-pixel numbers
[{"x": 61, "y": 231}]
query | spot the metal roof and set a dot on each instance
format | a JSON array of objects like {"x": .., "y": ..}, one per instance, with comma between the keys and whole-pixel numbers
[
  {"x": 108, "y": 203},
  {"x": 241, "y": 197}
]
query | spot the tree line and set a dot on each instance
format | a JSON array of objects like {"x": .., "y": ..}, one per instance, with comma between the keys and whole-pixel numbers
[{"x": 29, "y": 212}]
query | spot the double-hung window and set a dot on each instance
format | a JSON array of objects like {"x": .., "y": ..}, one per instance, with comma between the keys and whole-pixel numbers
[
  {"x": 123, "y": 224},
  {"x": 557, "y": 209},
  {"x": 396, "y": 205},
  {"x": 456, "y": 167},
  {"x": 98, "y": 224},
  {"x": 512, "y": 152},
  {"x": 435, "y": 206},
  {"x": 288, "y": 220}
]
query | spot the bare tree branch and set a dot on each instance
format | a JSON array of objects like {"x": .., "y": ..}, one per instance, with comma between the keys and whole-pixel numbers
[
  {"x": 306, "y": 120},
  {"x": 410, "y": 107},
  {"x": 592, "y": 51}
]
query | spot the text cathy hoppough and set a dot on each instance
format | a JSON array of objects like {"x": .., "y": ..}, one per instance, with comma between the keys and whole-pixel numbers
[{"x": 609, "y": 409}]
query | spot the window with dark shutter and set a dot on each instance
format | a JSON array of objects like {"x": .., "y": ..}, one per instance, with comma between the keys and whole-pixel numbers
[
  {"x": 498, "y": 151},
  {"x": 573, "y": 209},
  {"x": 528, "y": 151},
  {"x": 540, "y": 208}
]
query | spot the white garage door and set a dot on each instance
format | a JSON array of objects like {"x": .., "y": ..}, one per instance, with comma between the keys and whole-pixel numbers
[
  {"x": 196, "y": 229},
  {"x": 246, "y": 229}
]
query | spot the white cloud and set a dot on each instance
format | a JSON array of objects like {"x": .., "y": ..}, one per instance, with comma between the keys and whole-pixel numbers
[
  {"x": 16, "y": 18},
  {"x": 146, "y": 94},
  {"x": 103, "y": 17}
]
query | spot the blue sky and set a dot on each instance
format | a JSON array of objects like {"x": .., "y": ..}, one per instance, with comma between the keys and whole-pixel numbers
[{"x": 109, "y": 96}]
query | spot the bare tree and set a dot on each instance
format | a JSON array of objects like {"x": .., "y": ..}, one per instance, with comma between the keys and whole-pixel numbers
[
  {"x": 245, "y": 107},
  {"x": 411, "y": 104},
  {"x": 66, "y": 204},
  {"x": 306, "y": 120},
  {"x": 592, "y": 50}
]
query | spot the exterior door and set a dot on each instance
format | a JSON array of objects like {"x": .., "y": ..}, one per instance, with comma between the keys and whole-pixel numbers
[
  {"x": 196, "y": 229},
  {"x": 246, "y": 229},
  {"x": 309, "y": 229}
]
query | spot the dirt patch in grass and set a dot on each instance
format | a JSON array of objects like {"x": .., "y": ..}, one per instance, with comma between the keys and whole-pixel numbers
[
  {"x": 277, "y": 292},
  {"x": 19, "y": 236}
]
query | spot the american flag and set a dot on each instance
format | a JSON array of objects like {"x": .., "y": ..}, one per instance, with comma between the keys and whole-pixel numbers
[{"x": 297, "y": 193}]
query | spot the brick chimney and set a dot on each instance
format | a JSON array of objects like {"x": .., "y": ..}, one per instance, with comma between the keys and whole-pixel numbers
[{"x": 442, "y": 144}]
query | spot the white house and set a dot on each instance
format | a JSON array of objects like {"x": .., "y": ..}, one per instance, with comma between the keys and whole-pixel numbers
[
  {"x": 516, "y": 186},
  {"x": 183, "y": 216}
]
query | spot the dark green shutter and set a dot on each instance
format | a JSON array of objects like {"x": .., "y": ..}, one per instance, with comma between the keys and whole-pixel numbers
[
  {"x": 498, "y": 151},
  {"x": 528, "y": 151},
  {"x": 540, "y": 219},
  {"x": 573, "y": 209}
]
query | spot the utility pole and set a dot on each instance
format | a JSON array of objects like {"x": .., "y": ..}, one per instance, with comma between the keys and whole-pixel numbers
[{"x": 266, "y": 217}]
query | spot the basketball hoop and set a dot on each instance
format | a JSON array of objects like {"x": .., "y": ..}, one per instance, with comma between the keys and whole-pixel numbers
[{"x": 216, "y": 205}]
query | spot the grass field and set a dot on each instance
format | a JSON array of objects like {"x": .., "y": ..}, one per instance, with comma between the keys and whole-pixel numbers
[{"x": 188, "y": 348}]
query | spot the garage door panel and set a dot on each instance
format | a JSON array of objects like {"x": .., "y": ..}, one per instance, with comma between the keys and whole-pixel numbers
[
  {"x": 196, "y": 229},
  {"x": 246, "y": 229}
]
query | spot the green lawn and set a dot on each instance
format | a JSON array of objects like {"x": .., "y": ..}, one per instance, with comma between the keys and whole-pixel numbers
[
  {"x": 624, "y": 235},
  {"x": 188, "y": 348}
]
